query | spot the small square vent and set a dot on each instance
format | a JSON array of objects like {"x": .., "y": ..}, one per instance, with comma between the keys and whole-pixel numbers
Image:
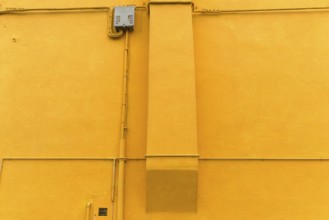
[{"x": 102, "y": 211}]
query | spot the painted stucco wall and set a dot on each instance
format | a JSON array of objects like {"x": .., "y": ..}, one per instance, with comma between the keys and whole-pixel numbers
[{"x": 261, "y": 87}]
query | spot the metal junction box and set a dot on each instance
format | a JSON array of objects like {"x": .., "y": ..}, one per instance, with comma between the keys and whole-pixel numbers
[{"x": 124, "y": 17}]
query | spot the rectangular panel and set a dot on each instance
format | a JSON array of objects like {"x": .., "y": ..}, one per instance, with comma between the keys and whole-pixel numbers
[
  {"x": 60, "y": 85},
  {"x": 261, "y": 190},
  {"x": 263, "y": 84},
  {"x": 52, "y": 190}
]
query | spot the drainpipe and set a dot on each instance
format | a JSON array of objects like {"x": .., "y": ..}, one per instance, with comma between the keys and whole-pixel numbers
[
  {"x": 113, "y": 185},
  {"x": 88, "y": 211},
  {"x": 122, "y": 147}
]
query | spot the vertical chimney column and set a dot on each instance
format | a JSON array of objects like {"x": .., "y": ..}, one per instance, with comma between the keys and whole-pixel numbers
[{"x": 172, "y": 162}]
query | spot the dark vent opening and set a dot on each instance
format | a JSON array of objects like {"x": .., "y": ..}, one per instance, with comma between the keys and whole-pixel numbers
[{"x": 102, "y": 212}]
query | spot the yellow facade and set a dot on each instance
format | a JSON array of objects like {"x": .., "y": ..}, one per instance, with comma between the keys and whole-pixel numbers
[{"x": 235, "y": 103}]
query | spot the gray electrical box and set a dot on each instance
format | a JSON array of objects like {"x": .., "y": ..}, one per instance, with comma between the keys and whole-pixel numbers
[{"x": 124, "y": 17}]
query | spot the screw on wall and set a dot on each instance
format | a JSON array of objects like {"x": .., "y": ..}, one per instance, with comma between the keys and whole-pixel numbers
[{"x": 14, "y": 39}]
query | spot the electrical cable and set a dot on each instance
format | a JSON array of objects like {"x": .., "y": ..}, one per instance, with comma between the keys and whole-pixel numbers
[
  {"x": 59, "y": 10},
  {"x": 264, "y": 10}
]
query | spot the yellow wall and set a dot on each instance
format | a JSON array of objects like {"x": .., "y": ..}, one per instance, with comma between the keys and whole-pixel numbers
[
  {"x": 265, "y": 88},
  {"x": 261, "y": 91}
]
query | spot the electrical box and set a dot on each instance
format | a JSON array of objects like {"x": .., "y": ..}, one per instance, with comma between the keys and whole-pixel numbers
[
  {"x": 102, "y": 208},
  {"x": 124, "y": 17}
]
